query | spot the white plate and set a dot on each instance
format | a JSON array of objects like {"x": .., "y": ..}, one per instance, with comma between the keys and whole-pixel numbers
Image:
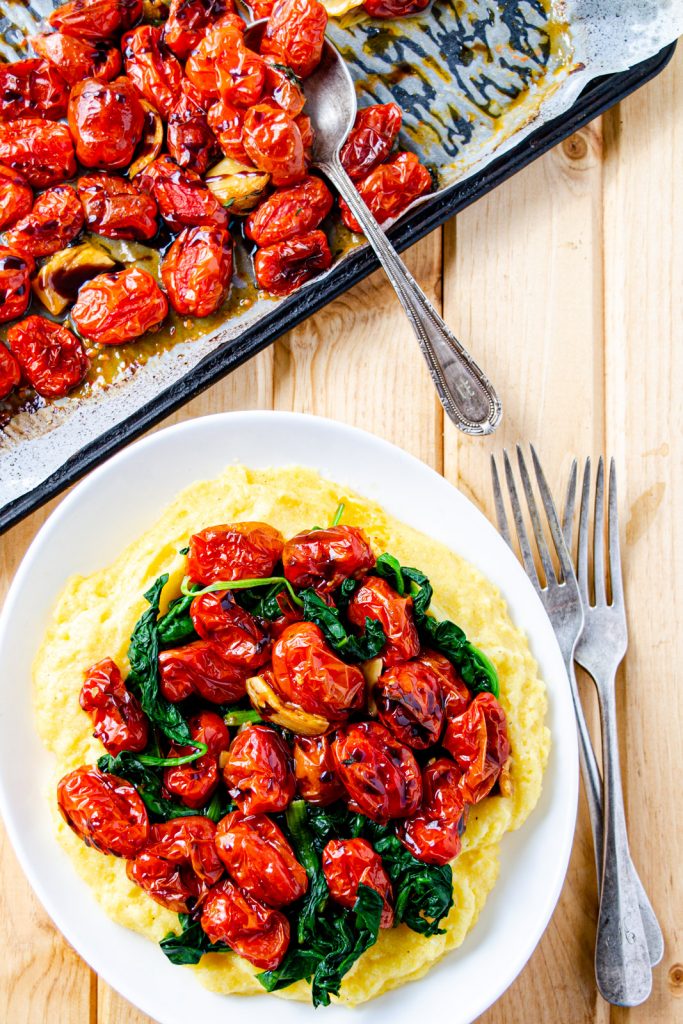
[{"x": 116, "y": 503}]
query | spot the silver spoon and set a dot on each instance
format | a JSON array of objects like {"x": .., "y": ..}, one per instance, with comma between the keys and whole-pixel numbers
[{"x": 465, "y": 392}]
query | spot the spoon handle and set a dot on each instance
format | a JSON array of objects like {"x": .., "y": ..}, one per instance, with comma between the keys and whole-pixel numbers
[{"x": 465, "y": 392}]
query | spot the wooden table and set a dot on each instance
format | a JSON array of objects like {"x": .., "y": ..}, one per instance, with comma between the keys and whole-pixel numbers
[{"x": 567, "y": 284}]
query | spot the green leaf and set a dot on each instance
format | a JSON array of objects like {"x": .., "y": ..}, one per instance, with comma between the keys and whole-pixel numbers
[
  {"x": 176, "y": 624},
  {"x": 347, "y": 645},
  {"x": 240, "y": 716},
  {"x": 338, "y": 514},
  {"x": 262, "y": 603},
  {"x": 389, "y": 568},
  {"x": 148, "y": 784},
  {"x": 190, "y": 944},
  {"x": 406, "y": 580},
  {"x": 423, "y": 893},
  {"x": 478, "y": 672}
]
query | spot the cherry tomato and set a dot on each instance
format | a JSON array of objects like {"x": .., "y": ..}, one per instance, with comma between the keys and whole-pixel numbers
[
  {"x": 282, "y": 267},
  {"x": 252, "y": 930},
  {"x": 181, "y": 195},
  {"x": 307, "y": 674},
  {"x": 76, "y": 59},
  {"x": 195, "y": 782},
  {"x": 258, "y": 771},
  {"x": 316, "y": 780},
  {"x": 94, "y": 20},
  {"x": 393, "y": 8},
  {"x": 55, "y": 220},
  {"x": 348, "y": 863},
  {"x": 16, "y": 197},
  {"x": 261, "y": 8},
  {"x": 218, "y": 617},
  {"x": 325, "y": 558},
  {"x": 179, "y": 863},
  {"x": 380, "y": 775},
  {"x": 289, "y": 212},
  {"x": 454, "y": 693},
  {"x": 189, "y": 139},
  {"x": 202, "y": 668},
  {"x": 433, "y": 835},
  {"x": 273, "y": 143},
  {"x": 32, "y": 88},
  {"x": 15, "y": 292},
  {"x": 283, "y": 87},
  {"x": 377, "y": 600},
  {"x": 188, "y": 21},
  {"x": 40, "y": 150},
  {"x": 106, "y": 120},
  {"x": 390, "y": 189},
  {"x": 294, "y": 33},
  {"x": 478, "y": 742},
  {"x": 197, "y": 270},
  {"x": 240, "y": 551},
  {"x": 371, "y": 138},
  {"x": 120, "y": 723},
  {"x": 114, "y": 308},
  {"x": 409, "y": 703},
  {"x": 156, "y": 74},
  {"x": 305, "y": 126},
  {"x": 117, "y": 208},
  {"x": 10, "y": 372},
  {"x": 52, "y": 359},
  {"x": 257, "y": 856},
  {"x": 104, "y": 810},
  {"x": 226, "y": 122},
  {"x": 290, "y": 613},
  {"x": 223, "y": 67}
]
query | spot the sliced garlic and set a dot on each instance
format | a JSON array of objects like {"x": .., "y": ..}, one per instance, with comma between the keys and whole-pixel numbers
[
  {"x": 237, "y": 186},
  {"x": 60, "y": 278},
  {"x": 290, "y": 716},
  {"x": 152, "y": 140}
]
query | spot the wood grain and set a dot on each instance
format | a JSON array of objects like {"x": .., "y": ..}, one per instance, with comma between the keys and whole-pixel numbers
[{"x": 566, "y": 283}]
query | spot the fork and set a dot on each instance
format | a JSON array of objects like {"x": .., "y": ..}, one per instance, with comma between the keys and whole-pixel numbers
[{"x": 622, "y": 962}]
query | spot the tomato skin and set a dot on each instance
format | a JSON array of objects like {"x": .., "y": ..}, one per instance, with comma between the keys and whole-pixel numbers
[
  {"x": 42, "y": 151},
  {"x": 16, "y": 197},
  {"x": 390, "y": 189},
  {"x": 188, "y": 21},
  {"x": 323, "y": 559},
  {"x": 117, "y": 208},
  {"x": 371, "y": 139},
  {"x": 380, "y": 775},
  {"x": 222, "y": 66},
  {"x": 51, "y": 358},
  {"x": 197, "y": 270},
  {"x": 226, "y": 121},
  {"x": 120, "y": 723},
  {"x": 258, "y": 933},
  {"x": 219, "y": 618},
  {"x": 76, "y": 59},
  {"x": 104, "y": 810},
  {"x": 157, "y": 75},
  {"x": 10, "y": 372},
  {"x": 181, "y": 195},
  {"x": 409, "y": 703},
  {"x": 259, "y": 859},
  {"x": 258, "y": 771},
  {"x": 308, "y": 674},
  {"x": 273, "y": 143},
  {"x": 349, "y": 863},
  {"x": 189, "y": 138},
  {"x": 455, "y": 695},
  {"x": 281, "y": 268},
  {"x": 201, "y": 668},
  {"x": 15, "y": 293},
  {"x": 375, "y": 599},
  {"x": 115, "y": 308},
  {"x": 55, "y": 220},
  {"x": 281, "y": 85},
  {"x": 478, "y": 742},
  {"x": 433, "y": 835},
  {"x": 95, "y": 20},
  {"x": 316, "y": 781},
  {"x": 393, "y": 8},
  {"x": 238, "y": 551},
  {"x": 106, "y": 120},
  {"x": 289, "y": 212},
  {"x": 32, "y": 88},
  {"x": 179, "y": 863},
  {"x": 294, "y": 33},
  {"x": 194, "y": 783}
]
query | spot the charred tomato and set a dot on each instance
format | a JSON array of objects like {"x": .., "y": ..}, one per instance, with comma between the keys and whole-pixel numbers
[
  {"x": 349, "y": 863},
  {"x": 55, "y": 220},
  {"x": 195, "y": 782},
  {"x": 455, "y": 694},
  {"x": 188, "y": 21},
  {"x": 294, "y": 34},
  {"x": 15, "y": 292},
  {"x": 115, "y": 308},
  {"x": 257, "y": 856},
  {"x": 409, "y": 703},
  {"x": 254, "y": 931},
  {"x": 179, "y": 863},
  {"x": 189, "y": 138},
  {"x": 290, "y": 212},
  {"x": 371, "y": 139},
  {"x": 106, "y": 119},
  {"x": 239, "y": 551},
  {"x": 42, "y": 151},
  {"x": 390, "y": 189},
  {"x": 104, "y": 810},
  {"x": 95, "y": 20},
  {"x": 117, "y": 208},
  {"x": 375, "y": 599},
  {"x": 32, "y": 88},
  {"x": 222, "y": 66},
  {"x": 10, "y": 372},
  {"x": 52, "y": 359},
  {"x": 478, "y": 742},
  {"x": 16, "y": 197},
  {"x": 316, "y": 780},
  {"x": 273, "y": 143},
  {"x": 154, "y": 71},
  {"x": 433, "y": 835},
  {"x": 119, "y": 721},
  {"x": 76, "y": 59},
  {"x": 197, "y": 270},
  {"x": 308, "y": 675},
  {"x": 258, "y": 771},
  {"x": 282, "y": 267},
  {"x": 181, "y": 195},
  {"x": 202, "y": 668},
  {"x": 323, "y": 559},
  {"x": 380, "y": 775},
  {"x": 219, "y": 618}
]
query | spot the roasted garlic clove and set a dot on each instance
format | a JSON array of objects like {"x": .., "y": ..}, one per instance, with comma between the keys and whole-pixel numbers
[
  {"x": 237, "y": 186},
  {"x": 290, "y": 716},
  {"x": 151, "y": 142},
  {"x": 60, "y": 278}
]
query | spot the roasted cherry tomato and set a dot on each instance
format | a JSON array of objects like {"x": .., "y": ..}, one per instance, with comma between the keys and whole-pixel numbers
[
  {"x": 282, "y": 86},
  {"x": 226, "y": 122},
  {"x": 117, "y": 208},
  {"x": 16, "y": 197},
  {"x": 290, "y": 613},
  {"x": 114, "y": 308},
  {"x": 478, "y": 742},
  {"x": 323, "y": 559},
  {"x": 393, "y": 8},
  {"x": 197, "y": 270},
  {"x": 76, "y": 59},
  {"x": 93, "y": 20},
  {"x": 390, "y": 189},
  {"x": 348, "y": 863},
  {"x": 55, "y": 220},
  {"x": 202, "y": 668},
  {"x": 307, "y": 674},
  {"x": 261, "y": 8},
  {"x": 434, "y": 834},
  {"x": 289, "y": 212},
  {"x": 409, "y": 703},
  {"x": 281, "y": 268},
  {"x": 194, "y": 783},
  {"x": 375, "y": 599},
  {"x": 190, "y": 141},
  {"x": 316, "y": 779},
  {"x": 40, "y": 150},
  {"x": 10, "y": 372},
  {"x": 240, "y": 551},
  {"x": 181, "y": 195},
  {"x": 104, "y": 810},
  {"x": 273, "y": 143},
  {"x": 257, "y": 856},
  {"x": 258, "y": 933},
  {"x": 15, "y": 292},
  {"x": 371, "y": 139},
  {"x": 179, "y": 863},
  {"x": 258, "y": 771},
  {"x": 188, "y": 21},
  {"x": 454, "y": 693},
  {"x": 106, "y": 120},
  {"x": 156, "y": 74},
  {"x": 294, "y": 34},
  {"x": 223, "y": 66},
  {"x": 380, "y": 775},
  {"x": 120, "y": 723},
  {"x": 32, "y": 88},
  {"x": 218, "y": 617},
  {"x": 305, "y": 126},
  {"x": 52, "y": 359}
]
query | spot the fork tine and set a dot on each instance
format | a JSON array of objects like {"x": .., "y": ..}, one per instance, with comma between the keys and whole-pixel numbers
[
  {"x": 599, "y": 536},
  {"x": 552, "y": 517},
  {"x": 501, "y": 514},
  {"x": 539, "y": 533},
  {"x": 613, "y": 536},
  {"x": 569, "y": 506},
  {"x": 582, "y": 547},
  {"x": 525, "y": 550}
]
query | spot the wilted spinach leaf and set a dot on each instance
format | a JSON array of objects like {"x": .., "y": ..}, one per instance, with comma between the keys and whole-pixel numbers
[
  {"x": 406, "y": 580},
  {"x": 423, "y": 893},
  {"x": 347, "y": 645},
  {"x": 190, "y": 945},
  {"x": 148, "y": 784},
  {"x": 176, "y": 624}
]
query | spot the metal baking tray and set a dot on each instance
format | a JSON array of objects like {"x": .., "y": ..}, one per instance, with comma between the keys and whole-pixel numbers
[{"x": 598, "y": 97}]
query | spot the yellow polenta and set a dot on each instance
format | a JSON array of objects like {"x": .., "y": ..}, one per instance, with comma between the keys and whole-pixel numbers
[{"x": 95, "y": 615}]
